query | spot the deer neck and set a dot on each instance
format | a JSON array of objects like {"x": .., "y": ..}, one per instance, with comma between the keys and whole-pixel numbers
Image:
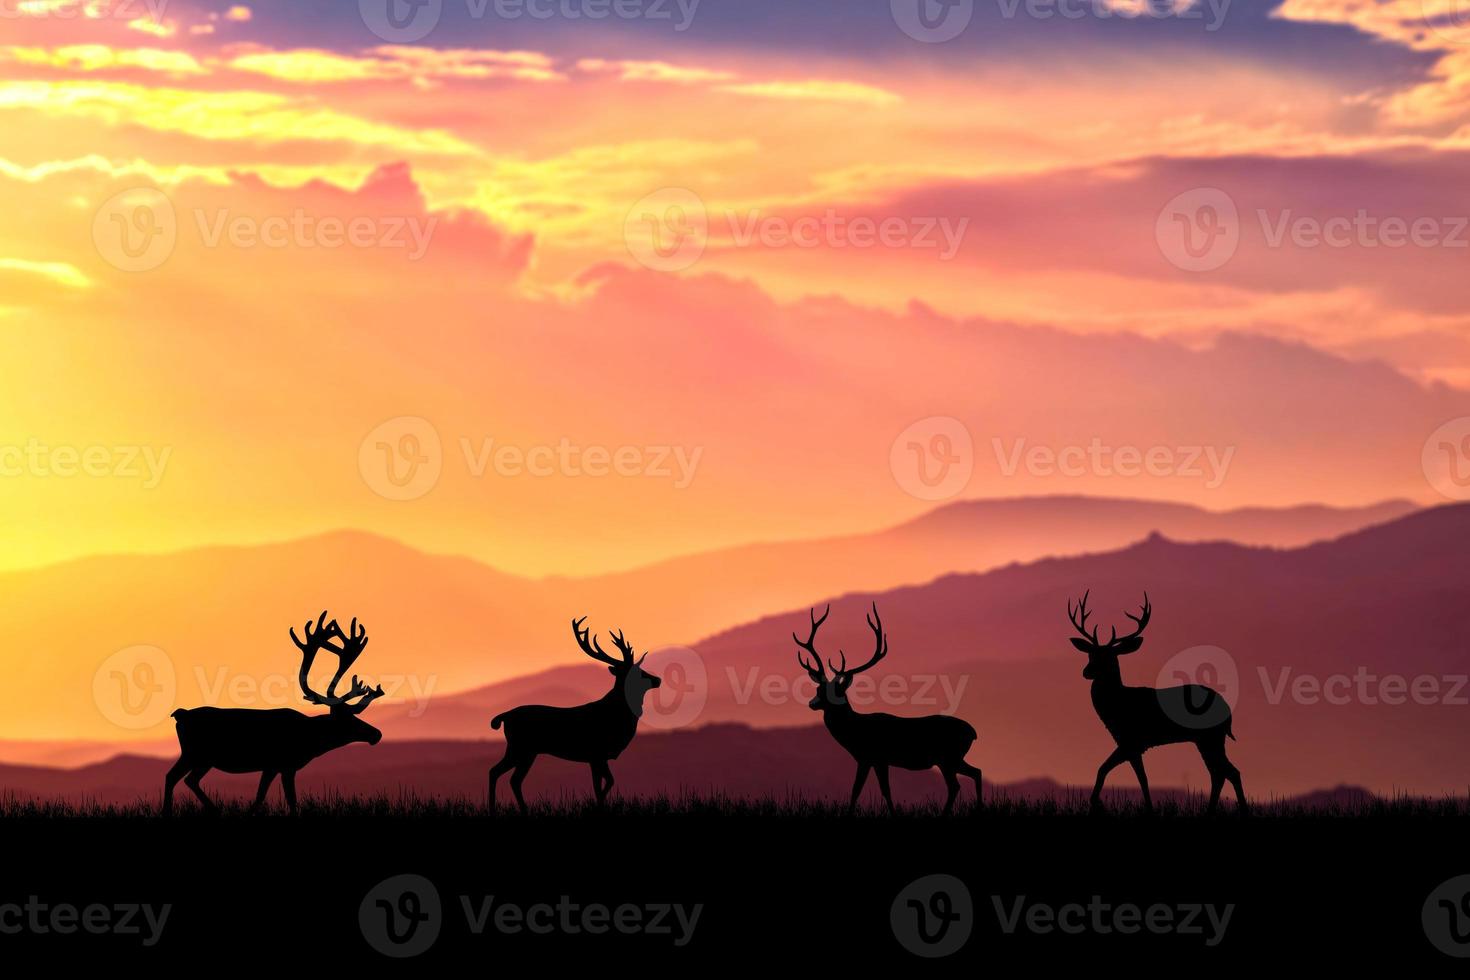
[
  {"x": 326, "y": 735},
  {"x": 1107, "y": 688},
  {"x": 617, "y": 699},
  {"x": 840, "y": 719}
]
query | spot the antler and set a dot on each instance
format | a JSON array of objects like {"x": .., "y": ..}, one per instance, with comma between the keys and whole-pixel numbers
[
  {"x": 1141, "y": 619},
  {"x": 816, "y": 672},
  {"x": 880, "y": 648},
  {"x": 624, "y": 647},
  {"x": 593, "y": 649},
  {"x": 1080, "y": 625},
  {"x": 1113, "y": 639},
  {"x": 352, "y": 643}
]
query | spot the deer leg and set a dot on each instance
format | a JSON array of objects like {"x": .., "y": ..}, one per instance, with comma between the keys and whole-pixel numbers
[
  {"x": 1217, "y": 782},
  {"x": 602, "y": 781},
  {"x": 965, "y": 769},
  {"x": 192, "y": 781},
  {"x": 174, "y": 775},
  {"x": 857, "y": 787},
  {"x": 1137, "y": 763},
  {"x": 883, "y": 785},
  {"x": 1233, "y": 774},
  {"x": 496, "y": 771},
  {"x": 952, "y": 785},
  {"x": 265, "y": 784},
  {"x": 1109, "y": 764},
  {"x": 288, "y": 787},
  {"x": 523, "y": 766}
]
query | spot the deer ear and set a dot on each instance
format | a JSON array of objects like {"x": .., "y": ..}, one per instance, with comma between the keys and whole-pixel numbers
[
  {"x": 1082, "y": 645},
  {"x": 1128, "y": 645}
]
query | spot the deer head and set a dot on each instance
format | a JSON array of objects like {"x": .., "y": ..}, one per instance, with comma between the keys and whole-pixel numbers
[
  {"x": 630, "y": 675},
  {"x": 1102, "y": 658},
  {"x": 347, "y": 647},
  {"x": 832, "y": 690}
]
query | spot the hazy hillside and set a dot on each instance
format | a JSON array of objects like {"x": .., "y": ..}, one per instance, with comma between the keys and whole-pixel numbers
[
  {"x": 1359, "y": 622},
  {"x": 218, "y": 616}
]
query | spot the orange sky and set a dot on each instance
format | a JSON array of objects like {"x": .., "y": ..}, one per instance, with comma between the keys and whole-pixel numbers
[{"x": 570, "y": 295}]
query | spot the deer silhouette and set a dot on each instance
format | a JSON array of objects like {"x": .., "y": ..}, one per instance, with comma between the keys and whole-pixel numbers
[
  {"x": 877, "y": 740},
  {"x": 277, "y": 741},
  {"x": 1140, "y": 718},
  {"x": 594, "y": 733}
]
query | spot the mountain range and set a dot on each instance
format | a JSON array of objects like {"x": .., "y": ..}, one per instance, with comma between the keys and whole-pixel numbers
[{"x": 213, "y": 622}]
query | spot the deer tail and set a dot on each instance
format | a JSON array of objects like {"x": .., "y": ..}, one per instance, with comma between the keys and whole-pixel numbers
[
  {"x": 179, "y": 713},
  {"x": 495, "y": 722}
]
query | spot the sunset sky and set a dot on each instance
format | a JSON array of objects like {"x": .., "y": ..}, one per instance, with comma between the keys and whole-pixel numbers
[{"x": 574, "y": 293}]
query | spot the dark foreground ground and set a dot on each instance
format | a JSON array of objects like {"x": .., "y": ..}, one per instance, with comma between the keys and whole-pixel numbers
[{"x": 777, "y": 886}]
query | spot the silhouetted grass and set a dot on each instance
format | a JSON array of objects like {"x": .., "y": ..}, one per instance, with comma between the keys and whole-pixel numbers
[{"x": 1072, "y": 806}]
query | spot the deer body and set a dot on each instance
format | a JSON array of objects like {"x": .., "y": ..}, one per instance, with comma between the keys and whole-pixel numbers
[
  {"x": 280, "y": 739},
  {"x": 907, "y": 743},
  {"x": 594, "y": 733},
  {"x": 276, "y": 741},
  {"x": 559, "y": 731},
  {"x": 877, "y": 740},
  {"x": 1142, "y": 718}
]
